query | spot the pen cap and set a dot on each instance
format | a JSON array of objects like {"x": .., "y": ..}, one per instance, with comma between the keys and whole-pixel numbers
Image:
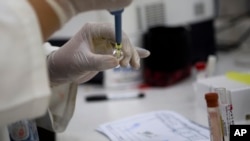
[{"x": 211, "y": 99}]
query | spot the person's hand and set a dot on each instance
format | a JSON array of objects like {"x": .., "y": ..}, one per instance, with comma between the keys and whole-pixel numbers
[
  {"x": 65, "y": 9},
  {"x": 89, "y": 52}
]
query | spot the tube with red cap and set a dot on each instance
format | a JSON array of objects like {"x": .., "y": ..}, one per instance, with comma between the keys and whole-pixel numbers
[{"x": 214, "y": 117}]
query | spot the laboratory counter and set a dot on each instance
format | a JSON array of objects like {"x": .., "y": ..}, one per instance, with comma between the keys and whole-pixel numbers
[{"x": 179, "y": 98}]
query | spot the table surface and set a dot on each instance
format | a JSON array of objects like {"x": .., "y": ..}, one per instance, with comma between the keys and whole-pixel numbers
[{"x": 179, "y": 98}]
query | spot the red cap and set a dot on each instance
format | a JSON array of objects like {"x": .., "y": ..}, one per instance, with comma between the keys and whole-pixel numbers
[
  {"x": 200, "y": 65},
  {"x": 211, "y": 99}
]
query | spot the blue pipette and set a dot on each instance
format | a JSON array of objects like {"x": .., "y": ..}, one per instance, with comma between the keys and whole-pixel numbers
[
  {"x": 118, "y": 31},
  {"x": 118, "y": 25}
]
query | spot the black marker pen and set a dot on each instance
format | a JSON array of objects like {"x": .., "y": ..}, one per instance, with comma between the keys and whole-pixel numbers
[{"x": 103, "y": 97}]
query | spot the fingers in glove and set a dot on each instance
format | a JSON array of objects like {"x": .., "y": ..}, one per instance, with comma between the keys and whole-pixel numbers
[
  {"x": 101, "y": 62},
  {"x": 99, "y": 30},
  {"x": 143, "y": 53},
  {"x": 135, "y": 59},
  {"x": 107, "y": 31},
  {"x": 137, "y": 54},
  {"x": 127, "y": 50}
]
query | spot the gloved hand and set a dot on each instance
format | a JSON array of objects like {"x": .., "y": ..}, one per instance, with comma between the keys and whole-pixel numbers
[
  {"x": 89, "y": 52},
  {"x": 65, "y": 9}
]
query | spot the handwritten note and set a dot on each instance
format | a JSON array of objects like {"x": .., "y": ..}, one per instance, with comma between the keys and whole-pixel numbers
[{"x": 155, "y": 126}]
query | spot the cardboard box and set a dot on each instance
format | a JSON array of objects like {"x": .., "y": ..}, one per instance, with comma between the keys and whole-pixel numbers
[{"x": 240, "y": 95}]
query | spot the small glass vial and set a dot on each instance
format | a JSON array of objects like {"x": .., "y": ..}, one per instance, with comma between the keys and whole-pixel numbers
[
  {"x": 118, "y": 51},
  {"x": 214, "y": 117}
]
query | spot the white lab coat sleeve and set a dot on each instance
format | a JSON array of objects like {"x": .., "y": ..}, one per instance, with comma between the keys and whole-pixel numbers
[
  {"x": 24, "y": 84},
  {"x": 4, "y": 135},
  {"x": 62, "y": 104}
]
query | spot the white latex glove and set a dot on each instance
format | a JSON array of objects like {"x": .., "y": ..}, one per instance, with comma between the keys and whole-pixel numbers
[
  {"x": 65, "y": 9},
  {"x": 89, "y": 52}
]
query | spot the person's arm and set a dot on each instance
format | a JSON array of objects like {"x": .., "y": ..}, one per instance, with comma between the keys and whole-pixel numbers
[
  {"x": 49, "y": 21},
  {"x": 22, "y": 58}
]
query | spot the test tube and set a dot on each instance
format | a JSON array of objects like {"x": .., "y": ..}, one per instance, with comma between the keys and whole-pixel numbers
[
  {"x": 214, "y": 118},
  {"x": 226, "y": 109}
]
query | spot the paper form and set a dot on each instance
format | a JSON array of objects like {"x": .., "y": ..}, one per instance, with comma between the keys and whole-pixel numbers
[{"x": 155, "y": 126}]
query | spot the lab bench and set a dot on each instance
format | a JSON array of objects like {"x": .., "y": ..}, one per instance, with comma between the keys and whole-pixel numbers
[{"x": 179, "y": 98}]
